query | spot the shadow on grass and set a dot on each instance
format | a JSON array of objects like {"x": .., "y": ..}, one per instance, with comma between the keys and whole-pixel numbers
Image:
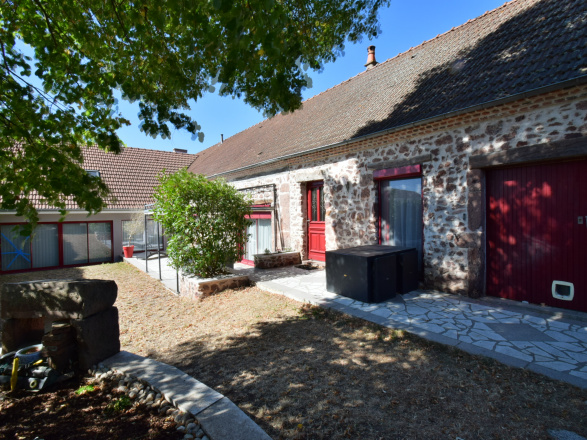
[
  {"x": 74, "y": 273},
  {"x": 327, "y": 375}
]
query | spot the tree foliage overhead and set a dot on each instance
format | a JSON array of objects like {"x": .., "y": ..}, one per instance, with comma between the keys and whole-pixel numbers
[
  {"x": 163, "y": 54},
  {"x": 205, "y": 221}
]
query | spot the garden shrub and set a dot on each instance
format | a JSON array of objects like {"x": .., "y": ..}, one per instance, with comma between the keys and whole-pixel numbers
[{"x": 205, "y": 221}]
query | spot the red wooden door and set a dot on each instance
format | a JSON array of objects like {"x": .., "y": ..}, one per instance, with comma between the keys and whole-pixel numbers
[
  {"x": 537, "y": 234},
  {"x": 316, "y": 214}
]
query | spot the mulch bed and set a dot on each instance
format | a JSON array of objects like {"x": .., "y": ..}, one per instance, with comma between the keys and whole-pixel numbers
[
  {"x": 60, "y": 413},
  {"x": 302, "y": 372}
]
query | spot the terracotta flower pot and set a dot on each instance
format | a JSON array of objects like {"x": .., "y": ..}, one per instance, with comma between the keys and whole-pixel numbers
[{"x": 128, "y": 250}]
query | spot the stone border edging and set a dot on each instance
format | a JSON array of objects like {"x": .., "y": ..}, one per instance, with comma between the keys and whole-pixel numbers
[{"x": 219, "y": 417}]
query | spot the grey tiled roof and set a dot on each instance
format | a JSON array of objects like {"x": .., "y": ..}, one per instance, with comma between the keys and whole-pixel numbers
[
  {"x": 130, "y": 175},
  {"x": 518, "y": 47}
]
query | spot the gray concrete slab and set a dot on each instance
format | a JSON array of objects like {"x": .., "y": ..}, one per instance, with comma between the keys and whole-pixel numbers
[
  {"x": 167, "y": 275},
  {"x": 184, "y": 391},
  {"x": 562, "y": 434},
  {"x": 224, "y": 420},
  {"x": 219, "y": 417},
  {"x": 519, "y": 332}
]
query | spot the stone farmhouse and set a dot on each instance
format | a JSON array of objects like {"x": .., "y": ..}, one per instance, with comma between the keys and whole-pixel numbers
[
  {"x": 80, "y": 240},
  {"x": 470, "y": 147}
]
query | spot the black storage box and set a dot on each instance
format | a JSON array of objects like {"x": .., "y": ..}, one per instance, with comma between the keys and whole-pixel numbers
[
  {"x": 371, "y": 273},
  {"x": 407, "y": 269}
]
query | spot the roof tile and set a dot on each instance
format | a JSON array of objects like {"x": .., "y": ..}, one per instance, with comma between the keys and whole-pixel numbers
[
  {"x": 130, "y": 175},
  {"x": 520, "y": 46}
]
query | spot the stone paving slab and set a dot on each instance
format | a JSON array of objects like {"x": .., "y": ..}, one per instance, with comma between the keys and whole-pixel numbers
[
  {"x": 218, "y": 416},
  {"x": 519, "y": 332},
  {"x": 561, "y": 434}
]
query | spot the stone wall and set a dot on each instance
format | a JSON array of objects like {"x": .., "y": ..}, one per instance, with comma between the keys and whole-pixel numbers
[
  {"x": 198, "y": 288},
  {"x": 272, "y": 190},
  {"x": 453, "y": 199},
  {"x": 270, "y": 261},
  {"x": 261, "y": 194}
]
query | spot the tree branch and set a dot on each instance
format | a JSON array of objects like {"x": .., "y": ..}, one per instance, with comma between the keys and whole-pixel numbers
[
  {"x": 40, "y": 6},
  {"x": 51, "y": 101},
  {"x": 119, "y": 19},
  {"x": 4, "y": 55}
]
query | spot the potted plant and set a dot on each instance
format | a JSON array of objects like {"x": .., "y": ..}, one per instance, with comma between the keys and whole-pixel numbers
[{"x": 133, "y": 227}]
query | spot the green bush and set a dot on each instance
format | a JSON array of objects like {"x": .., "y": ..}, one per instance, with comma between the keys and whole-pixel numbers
[{"x": 205, "y": 221}]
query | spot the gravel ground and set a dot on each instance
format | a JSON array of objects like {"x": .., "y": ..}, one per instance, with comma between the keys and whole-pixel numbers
[
  {"x": 90, "y": 408},
  {"x": 305, "y": 373}
]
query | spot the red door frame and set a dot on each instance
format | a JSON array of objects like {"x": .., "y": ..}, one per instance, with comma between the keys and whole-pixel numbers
[
  {"x": 316, "y": 228},
  {"x": 60, "y": 246}
]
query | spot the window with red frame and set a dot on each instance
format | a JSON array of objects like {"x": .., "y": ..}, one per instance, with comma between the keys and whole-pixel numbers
[
  {"x": 259, "y": 236},
  {"x": 55, "y": 245},
  {"x": 400, "y": 207}
]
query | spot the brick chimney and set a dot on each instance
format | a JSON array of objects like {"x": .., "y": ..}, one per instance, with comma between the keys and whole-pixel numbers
[{"x": 371, "y": 62}]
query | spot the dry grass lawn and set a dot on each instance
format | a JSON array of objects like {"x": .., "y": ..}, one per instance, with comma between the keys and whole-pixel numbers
[{"x": 305, "y": 373}]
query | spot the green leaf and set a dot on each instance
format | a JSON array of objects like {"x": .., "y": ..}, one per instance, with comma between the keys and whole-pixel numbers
[
  {"x": 165, "y": 54},
  {"x": 207, "y": 220}
]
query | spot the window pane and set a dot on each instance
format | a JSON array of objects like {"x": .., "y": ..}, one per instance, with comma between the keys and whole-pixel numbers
[
  {"x": 100, "y": 242},
  {"x": 152, "y": 234},
  {"x": 251, "y": 248},
  {"x": 45, "y": 245},
  {"x": 264, "y": 232},
  {"x": 401, "y": 213},
  {"x": 16, "y": 249},
  {"x": 314, "y": 216},
  {"x": 137, "y": 240},
  {"x": 75, "y": 243}
]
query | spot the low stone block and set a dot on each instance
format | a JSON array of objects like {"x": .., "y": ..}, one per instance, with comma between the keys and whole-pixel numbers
[
  {"x": 197, "y": 288},
  {"x": 19, "y": 333},
  {"x": 282, "y": 259},
  {"x": 60, "y": 357},
  {"x": 72, "y": 299},
  {"x": 98, "y": 337}
]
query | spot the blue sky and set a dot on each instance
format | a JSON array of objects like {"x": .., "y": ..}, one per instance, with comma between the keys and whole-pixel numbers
[{"x": 405, "y": 24}]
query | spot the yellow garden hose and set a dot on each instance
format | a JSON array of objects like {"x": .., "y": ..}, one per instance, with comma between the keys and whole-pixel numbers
[{"x": 14, "y": 377}]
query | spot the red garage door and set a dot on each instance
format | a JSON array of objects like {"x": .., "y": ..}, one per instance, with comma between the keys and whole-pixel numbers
[{"x": 537, "y": 234}]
